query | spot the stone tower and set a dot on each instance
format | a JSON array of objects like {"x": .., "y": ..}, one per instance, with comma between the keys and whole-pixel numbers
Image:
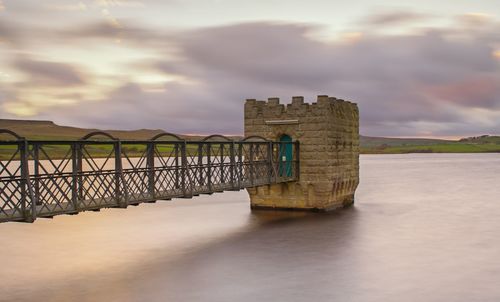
[{"x": 328, "y": 133}]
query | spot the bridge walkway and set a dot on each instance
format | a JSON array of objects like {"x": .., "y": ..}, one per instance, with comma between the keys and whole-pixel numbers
[{"x": 40, "y": 179}]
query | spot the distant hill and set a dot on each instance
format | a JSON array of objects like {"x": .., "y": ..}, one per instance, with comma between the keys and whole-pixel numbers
[
  {"x": 372, "y": 142},
  {"x": 483, "y": 139},
  {"x": 384, "y": 145},
  {"x": 47, "y": 130}
]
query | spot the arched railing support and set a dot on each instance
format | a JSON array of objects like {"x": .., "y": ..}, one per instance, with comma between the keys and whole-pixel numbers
[
  {"x": 97, "y": 133},
  {"x": 206, "y": 138},
  {"x": 165, "y": 134},
  {"x": 12, "y": 133},
  {"x": 254, "y": 138}
]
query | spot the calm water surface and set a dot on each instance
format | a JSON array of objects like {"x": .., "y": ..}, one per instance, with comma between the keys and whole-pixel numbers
[{"x": 425, "y": 227}]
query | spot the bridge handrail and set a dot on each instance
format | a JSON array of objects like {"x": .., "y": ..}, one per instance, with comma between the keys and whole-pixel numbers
[{"x": 154, "y": 138}]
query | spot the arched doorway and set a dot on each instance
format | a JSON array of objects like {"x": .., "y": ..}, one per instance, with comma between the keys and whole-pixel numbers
[{"x": 285, "y": 156}]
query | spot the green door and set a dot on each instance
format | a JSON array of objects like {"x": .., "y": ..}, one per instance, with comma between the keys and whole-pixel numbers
[{"x": 285, "y": 156}]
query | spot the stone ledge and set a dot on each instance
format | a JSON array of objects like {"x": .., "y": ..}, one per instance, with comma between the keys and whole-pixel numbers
[{"x": 282, "y": 122}]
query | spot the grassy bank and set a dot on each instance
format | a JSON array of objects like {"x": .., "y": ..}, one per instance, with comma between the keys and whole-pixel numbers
[
  {"x": 437, "y": 148},
  {"x": 47, "y": 130},
  {"x": 385, "y": 145}
]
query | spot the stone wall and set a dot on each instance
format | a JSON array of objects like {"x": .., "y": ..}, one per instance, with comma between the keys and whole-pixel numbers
[{"x": 328, "y": 132}]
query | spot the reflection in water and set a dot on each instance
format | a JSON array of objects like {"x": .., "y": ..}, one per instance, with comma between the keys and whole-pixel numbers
[{"x": 424, "y": 228}]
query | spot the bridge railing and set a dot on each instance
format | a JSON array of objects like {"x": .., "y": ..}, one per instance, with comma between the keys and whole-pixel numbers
[{"x": 46, "y": 178}]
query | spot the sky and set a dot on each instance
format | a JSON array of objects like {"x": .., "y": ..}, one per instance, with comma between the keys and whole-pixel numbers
[{"x": 421, "y": 69}]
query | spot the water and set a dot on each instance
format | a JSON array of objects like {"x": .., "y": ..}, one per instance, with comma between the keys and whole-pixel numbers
[{"x": 425, "y": 227}]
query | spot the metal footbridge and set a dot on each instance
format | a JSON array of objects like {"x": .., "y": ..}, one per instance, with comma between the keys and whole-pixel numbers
[{"x": 41, "y": 179}]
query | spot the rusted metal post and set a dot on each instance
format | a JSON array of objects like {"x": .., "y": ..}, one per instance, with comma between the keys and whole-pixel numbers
[
  {"x": 36, "y": 171},
  {"x": 22, "y": 161},
  {"x": 251, "y": 164},
  {"x": 269, "y": 162},
  {"x": 240, "y": 165},
  {"x": 184, "y": 171},
  {"x": 79, "y": 155},
  {"x": 74, "y": 175},
  {"x": 150, "y": 163},
  {"x": 177, "y": 167},
  {"x": 121, "y": 200},
  {"x": 209, "y": 166},
  {"x": 232, "y": 165},
  {"x": 200, "y": 164},
  {"x": 28, "y": 209},
  {"x": 222, "y": 163}
]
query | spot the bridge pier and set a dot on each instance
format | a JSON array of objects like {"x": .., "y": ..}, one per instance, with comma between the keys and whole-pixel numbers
[{"x": 328, "y": 132}]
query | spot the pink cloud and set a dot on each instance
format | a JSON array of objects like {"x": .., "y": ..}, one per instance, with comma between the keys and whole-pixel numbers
[{"x": 474, "y": 91}]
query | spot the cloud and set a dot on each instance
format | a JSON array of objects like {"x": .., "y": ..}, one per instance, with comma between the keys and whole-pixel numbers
[
  {"x": 262, "y": 52},
  {"x": 395, "y": 18},
  {"x": 8, "y": 33},
  {"x": 480, "y": 91},
  {"x": 388, "y": 76},
  {"x": 129, "y": 33},
  {"x": 80, "y": 6},
  {"x": 118, "y": 3},
  {"x": 434, "y": 81},
  {"x": 182, "y": 108},
  {"x": 475, "y": 19},
  {"x": 95, "y": 30},
  {"x": 49, "y": 73}
]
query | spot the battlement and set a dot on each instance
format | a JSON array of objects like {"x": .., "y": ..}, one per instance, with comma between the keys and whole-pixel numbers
[
  {"x": 322, "y": 100},
  {"x": 297, "y": 106},
  {"x": 328, "y": 132}
]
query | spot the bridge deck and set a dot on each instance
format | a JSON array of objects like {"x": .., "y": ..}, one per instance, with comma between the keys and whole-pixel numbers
[{"x": 48, "y": 178}]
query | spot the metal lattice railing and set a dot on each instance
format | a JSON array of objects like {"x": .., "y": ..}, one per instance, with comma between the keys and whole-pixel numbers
[{"x": 47, "y": 178}]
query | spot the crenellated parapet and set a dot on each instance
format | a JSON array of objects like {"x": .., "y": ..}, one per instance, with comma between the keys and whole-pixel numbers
[{"x": 328, "y": 132}]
